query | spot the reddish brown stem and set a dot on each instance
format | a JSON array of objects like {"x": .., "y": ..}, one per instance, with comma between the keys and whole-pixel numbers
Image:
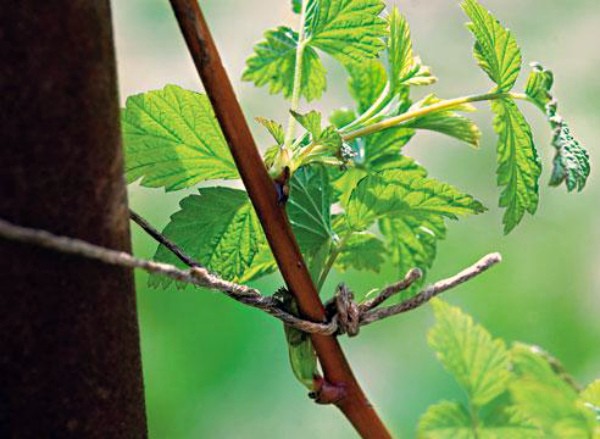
[{"x": 273, "y": 218}]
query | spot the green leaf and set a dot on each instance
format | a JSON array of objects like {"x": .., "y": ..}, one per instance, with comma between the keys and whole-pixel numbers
[
  {"x": 274, "y": 61},
  {"x": 539, "y": 85},
  {"x": 519, "y": 167},
  {"x": 558, "y": 413},
  {"x": 309, "y": 209},
  {"x": 571, "y": 163},
  {"x": 310, "y": 121},
  {"x": 362, "y": 251},
  {"x": 479, "y": 363},
  {"x": 366, "y": 82},
  {"x": 507, "y": 422},
  {"x": 396, "y": 193},
  {"x": 412, "y": 243},
  {"x": 404, "y": 67},
  {"x": 447, "y": 122},
  {"x": 274, "y": 128},
  {"x": 591, "y": 394},
  {"x": 446, "y": 420},
  {"x": 496, "y": 49},
  {"x": 325, "y": 146},
  {"x": 349, "y": 30},
  {"x": 381, "y": 150},
  {"x": 173, "y": 140},
  {"x": 219, "y": 229}
]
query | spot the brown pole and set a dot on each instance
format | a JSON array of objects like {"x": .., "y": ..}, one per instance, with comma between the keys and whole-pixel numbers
[
  {"x": 69, "y": 343},
  {"x": 261, "y": 190}
]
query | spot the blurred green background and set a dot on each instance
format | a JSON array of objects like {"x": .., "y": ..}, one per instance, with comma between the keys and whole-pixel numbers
[{"x": 214, "y": 369}]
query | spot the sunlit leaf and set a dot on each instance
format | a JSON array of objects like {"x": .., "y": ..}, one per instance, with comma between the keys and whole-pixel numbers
[
  {"x": 479, "y": 363},
  {"x": 173, "y": 140}
]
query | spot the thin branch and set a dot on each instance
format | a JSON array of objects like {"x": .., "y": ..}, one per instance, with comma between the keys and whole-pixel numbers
[
  {"x": 162, "y": 239},
  {"x": 411, "y": 277},
  {"x": 195, "y": 276},
  {"x": 201, "y": 277},
  {"x": 430, "y": 292},
  {"x": 261, "y": 191}
]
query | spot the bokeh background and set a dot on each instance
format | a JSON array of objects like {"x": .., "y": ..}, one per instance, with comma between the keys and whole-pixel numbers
[{"x": 214, "y": 369}]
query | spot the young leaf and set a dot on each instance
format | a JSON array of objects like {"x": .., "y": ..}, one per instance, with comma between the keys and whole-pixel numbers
[
  {"x": 404, "y": 68},
  {"x": 478, "y": 362},
  {"x": 507, "y": 422},
  {"x": 446, "y": 420},
  {"x": 397, "y": 193},
  {"x": 310, "y": 121},
  {"x": 309, "y": 209},
  {"x": 326, "y": 145},
  {"x": 274, "y": 61},
  {"x": 297, "y": 6},
  {"x": 349, "y": 30},
  {"x": 496, "y": 49},
  {"x": 519, "y": 167},
  {"x": 572, "y": 161},
  {"x": 558, "y": 413},
  {"x": 218, "y": 228},
  {"x": 362, "y": 251},
  {"x": 274, "y": 128},
  {"x": 173, "y": 140},
  {"x": 539, "y": 85},
  {"x": 447, "y": 122}
]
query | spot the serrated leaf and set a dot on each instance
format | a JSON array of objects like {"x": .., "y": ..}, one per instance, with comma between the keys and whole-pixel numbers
[
  {"x": 519, "y": 167},
  {"x": 397, "y": 193},
  {"x": 539, "y": 85},
  {"x": 362, "y": 251},
  {"x": 447, "y": 122},
  {"x": 349, "y": 30},
  {"x": 309, "y": 209},
  {"x": 558, "y": 413},
  {"x": 219, "y": 229},
  {"x": 274, "y": 60},
  {"x": 326, "y": 145},
  {"x": 310, "y": 121},
  {"x": 507, "y": 422},
  {"x": 446, "y": 420},
  {"x": 404, "y": 67},
  {"x": 366, "y": 82},
  {"x": 173, "y": 140},
  {"x": 496, "y": 49},
  {"x": 451, "y": 124},
  {"x": 571, "y": 163},
  {"x": 479, "y": 363},
  {"x": 412, "y": 243},
  {"x": 381, "y": 150},
  {"x": 274, "y": 128}
]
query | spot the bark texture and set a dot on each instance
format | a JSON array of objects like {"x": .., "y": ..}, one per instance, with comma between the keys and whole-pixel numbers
[{"x": 69, "y": 343}]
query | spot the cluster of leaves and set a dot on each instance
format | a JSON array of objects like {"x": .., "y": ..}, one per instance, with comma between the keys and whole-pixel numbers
[
  {"x": 386, "y": 205},
  {"x": 511, "y": 392}
]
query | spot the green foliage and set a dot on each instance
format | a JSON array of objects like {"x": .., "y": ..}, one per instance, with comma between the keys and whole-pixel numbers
[
  {"x": 274, "y": 62},
  {"x": 516, "y": 393},
  {"x": 447, "y": 122},
  {"x": 173, "y": 140},
  {"x": 349, "y": 30},
  {"x": 396, "y": 192},
  {"x": 571, "y": 161},
  {"x": 496, "y": 49},
  {"x": 386, "y": 206},
  {"x": 219, "y": 228},
  {"x": 478, "y": 362},
  {"x": 519, "y": 167}
]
